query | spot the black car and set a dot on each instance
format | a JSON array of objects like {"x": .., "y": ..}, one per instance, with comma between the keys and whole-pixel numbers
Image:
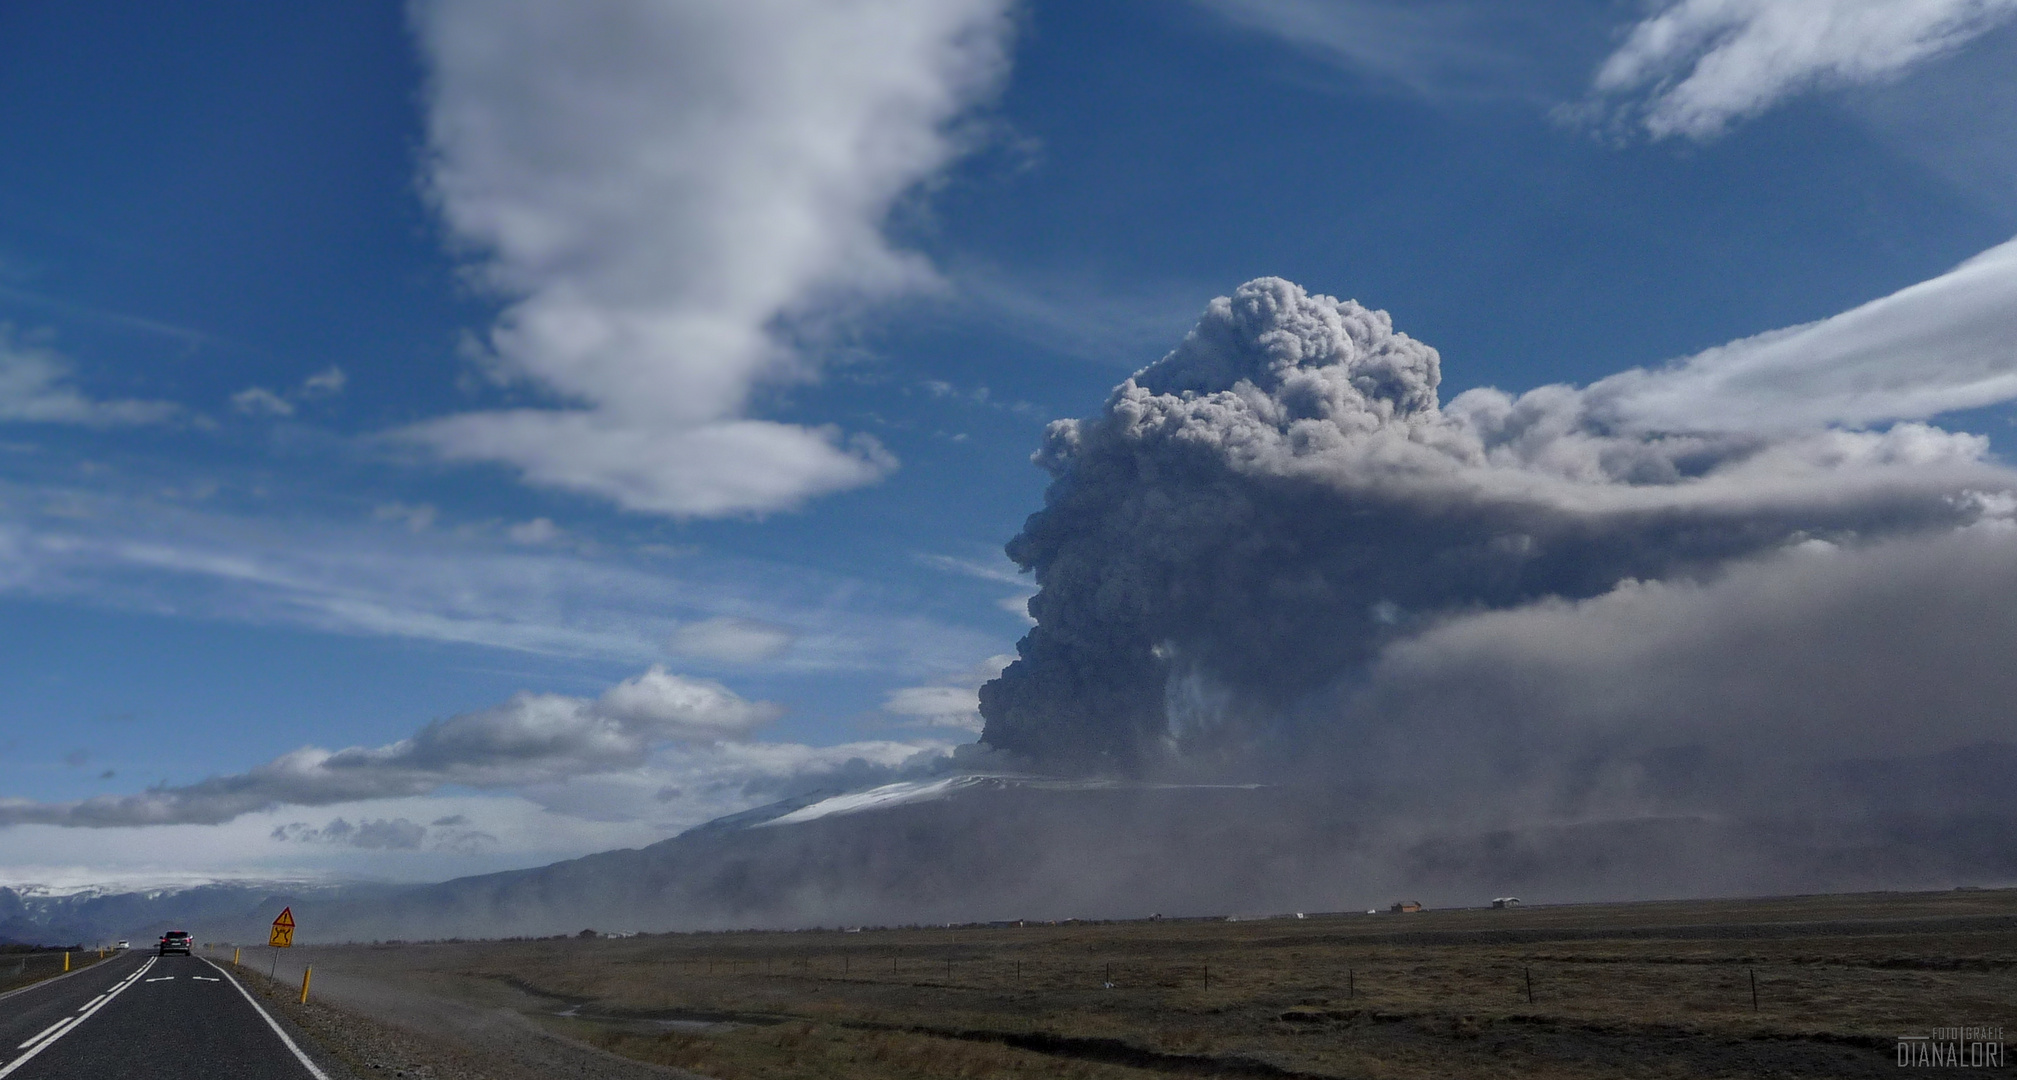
[{"x": 175, "y": 941}]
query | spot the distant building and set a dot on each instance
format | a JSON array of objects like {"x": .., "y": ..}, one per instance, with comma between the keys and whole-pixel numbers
[
  {"x": 1406, "y": 906},
  {"x": 1506, "y": 902}
]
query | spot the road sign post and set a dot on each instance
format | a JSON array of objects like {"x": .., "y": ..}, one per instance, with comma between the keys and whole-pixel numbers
[
  {"x": 283, "y": 930},
  {"x": 282, "y": 937}
]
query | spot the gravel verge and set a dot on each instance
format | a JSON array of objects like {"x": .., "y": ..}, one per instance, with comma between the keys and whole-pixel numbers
[{"x": 401, "y": 1034}]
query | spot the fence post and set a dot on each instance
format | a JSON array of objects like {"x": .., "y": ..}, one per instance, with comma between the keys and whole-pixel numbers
[
  {"x": 1754, "y": 989},
  {"x": 1528, "y": 972}
]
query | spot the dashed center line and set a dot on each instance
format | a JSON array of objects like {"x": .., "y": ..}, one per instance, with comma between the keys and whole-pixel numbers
[
  {"x": 163, "y": 978},
  {"x": 200, "y": 978},
  {"x": 64, "y": 1027}
]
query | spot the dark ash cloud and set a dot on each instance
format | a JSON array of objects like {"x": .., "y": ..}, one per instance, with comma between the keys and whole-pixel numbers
[{"x": 1254, "y": 523}]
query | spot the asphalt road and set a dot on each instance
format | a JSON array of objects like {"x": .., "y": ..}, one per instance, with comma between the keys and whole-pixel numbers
[{"x": 139, "y": 1015}]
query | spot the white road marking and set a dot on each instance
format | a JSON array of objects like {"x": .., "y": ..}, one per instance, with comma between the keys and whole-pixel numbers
[
  {"x": 45, "y": 1031},
  {"x": 49, "y": 1038},
  {"x": 52, "y": 1034},
  {"x": 313, "y": 1071},
  {"x": 164, "y": 978},
  {"x": 93, "y": 1001},
  {"x": 205, "y": 978}
]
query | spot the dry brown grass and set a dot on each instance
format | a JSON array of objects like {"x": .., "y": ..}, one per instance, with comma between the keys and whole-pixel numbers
[
  {"x": 1652, "y": 990},
  {"x": 22, "y": 967},
  {"x": 807, "y": 1050}
]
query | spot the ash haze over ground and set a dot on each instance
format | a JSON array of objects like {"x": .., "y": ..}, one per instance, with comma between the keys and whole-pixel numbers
[{"x": 460, "y": 438}]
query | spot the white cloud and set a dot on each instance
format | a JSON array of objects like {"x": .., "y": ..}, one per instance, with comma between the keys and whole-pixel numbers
[
  {"x": 717, "y": 468},
  {"x": 1944, "y": 344},
  {"x": 259, "y": 401},
  {"x": 1698, "y": 65},
  {"x": 682, "y": 784},
  {"x": 729, "y": 639},
  {"x": 325, "y": 383},
  {"x": 539, "y": 530},
  {"x": 679, "y": 785},
  {"x": 37, "y": 386},
  {"x": 671, "y": 196},
  {"x": 418, "y": 518},
  {"x": 953, "y": 703},
  {"x": 533, "y": 738},
  {"x": 661, "y": 705}
]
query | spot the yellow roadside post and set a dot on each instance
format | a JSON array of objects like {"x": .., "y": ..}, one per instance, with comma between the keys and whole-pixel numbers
[
  {"x": 305, "y": 973},
  {"x": 66, "y": 961},
  {"x": 234, "y": 956}
]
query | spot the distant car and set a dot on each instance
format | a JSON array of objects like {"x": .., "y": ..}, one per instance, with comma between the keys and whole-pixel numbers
[
  {"x": 175, "y": 941},
  {"x": 123, "y": 944}
]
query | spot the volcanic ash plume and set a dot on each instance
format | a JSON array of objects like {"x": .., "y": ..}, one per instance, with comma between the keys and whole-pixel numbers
[{"x": 1266, "y": 542}]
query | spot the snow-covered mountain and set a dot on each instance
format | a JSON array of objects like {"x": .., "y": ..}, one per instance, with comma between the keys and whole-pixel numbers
[
  {"x": 53, "y": 915},
  {"x": 976, "y": 848}
]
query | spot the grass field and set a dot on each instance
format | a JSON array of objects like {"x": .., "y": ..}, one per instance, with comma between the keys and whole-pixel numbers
[
  {"x": 24, "y": 966},
  {"x": 1635, "y": 990}
]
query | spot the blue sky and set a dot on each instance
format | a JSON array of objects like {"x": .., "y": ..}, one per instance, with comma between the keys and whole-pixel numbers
[{"x": 365, "y": 367}]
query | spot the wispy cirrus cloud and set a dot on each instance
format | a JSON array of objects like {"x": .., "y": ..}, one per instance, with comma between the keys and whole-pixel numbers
[
  {"x": 1695, "y": 67},
  {"x": 39, "y": 385},
  {"x": 1000, "y": 571},
  {"x": 1428, "y": 48},
  {"x": 411, "y": 575},
  {"x": 1941, "y": 345},
  {"x": 670, "y": 198},
  {"x": 730, "y": 639}
]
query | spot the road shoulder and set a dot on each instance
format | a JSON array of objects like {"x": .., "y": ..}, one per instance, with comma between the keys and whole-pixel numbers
[
  {"x": 512, "y": 1047},
  {"x": 289, "y": 1014}
]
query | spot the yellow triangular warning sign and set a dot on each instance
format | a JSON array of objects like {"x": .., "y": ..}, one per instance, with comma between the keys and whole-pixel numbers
[{"x": 282, "y": 936}]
